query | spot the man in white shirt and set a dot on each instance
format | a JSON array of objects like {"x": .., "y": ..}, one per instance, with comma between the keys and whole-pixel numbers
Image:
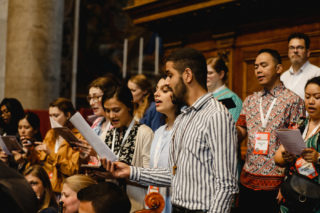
[{"x": 301, "y": 70}]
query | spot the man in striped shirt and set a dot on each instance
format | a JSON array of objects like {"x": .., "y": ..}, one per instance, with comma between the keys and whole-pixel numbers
[{"x": 203, "y": 161}]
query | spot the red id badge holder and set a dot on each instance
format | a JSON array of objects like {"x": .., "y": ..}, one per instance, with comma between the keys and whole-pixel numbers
[
  {"x": 305, "y": 168},
  {"x": 261, "y": 144},
  {"x": 153, "y": 189}
]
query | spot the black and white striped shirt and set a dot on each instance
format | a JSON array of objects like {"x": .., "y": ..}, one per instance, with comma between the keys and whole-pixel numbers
[{"x": 204, "y": 150}]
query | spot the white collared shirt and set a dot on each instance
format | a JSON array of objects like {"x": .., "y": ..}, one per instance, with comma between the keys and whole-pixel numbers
[{"x": 297, "y": 81}]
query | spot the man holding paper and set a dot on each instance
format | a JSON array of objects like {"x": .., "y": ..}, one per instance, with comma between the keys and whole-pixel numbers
[{"x": 262, "y": 113}]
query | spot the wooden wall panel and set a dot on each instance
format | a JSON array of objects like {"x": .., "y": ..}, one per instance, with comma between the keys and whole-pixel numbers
[{"x": 247, "y": 45}]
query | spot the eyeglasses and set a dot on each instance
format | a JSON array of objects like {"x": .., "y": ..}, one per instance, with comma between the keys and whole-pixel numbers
[
  {"x": 297, "y": 47},
  {"x": 4, "y": 112},
  {"x": 94, "y": 98}
]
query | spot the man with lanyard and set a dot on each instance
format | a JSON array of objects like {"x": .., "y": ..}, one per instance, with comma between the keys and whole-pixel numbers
[
  {"x": 301, "y": 70},
  {"x": 262, "y": 113},
  {"x": 203, "y": 152}
]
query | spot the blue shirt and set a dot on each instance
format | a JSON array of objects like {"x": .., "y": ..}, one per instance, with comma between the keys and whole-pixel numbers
[
  {"x": 161, "y": 145},
  {"x": 152, "y": 117}
]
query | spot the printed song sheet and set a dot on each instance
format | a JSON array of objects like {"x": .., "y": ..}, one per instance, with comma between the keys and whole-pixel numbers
[
  {"x": 93, "y": 139},
  {"x": 292, "y": 140}
]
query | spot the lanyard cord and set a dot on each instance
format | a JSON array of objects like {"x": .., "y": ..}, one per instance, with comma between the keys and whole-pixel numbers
[
  {"x": 264, "y": 120},
  {"x": 123, "y": 139}
]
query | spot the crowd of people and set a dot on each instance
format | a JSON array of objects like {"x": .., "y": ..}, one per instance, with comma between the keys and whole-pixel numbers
[{"x": 178, "y": 139}]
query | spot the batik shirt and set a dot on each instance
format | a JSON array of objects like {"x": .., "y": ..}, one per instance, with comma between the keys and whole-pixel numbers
[{"x": 260, "y": 171}]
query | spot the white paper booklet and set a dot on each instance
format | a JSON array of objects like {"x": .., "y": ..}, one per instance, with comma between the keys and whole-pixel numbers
[
  {"x": 292, "y": 140},
  {"x": 93, "y": 139}
]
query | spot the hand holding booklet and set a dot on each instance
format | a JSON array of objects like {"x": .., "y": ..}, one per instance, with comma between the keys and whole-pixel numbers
[
  {"x": 64, "y": 132},
  {"x": 93, "y": 139},
  {"x": 10, "y": 143},
  {"x": 292, "y": 140}
]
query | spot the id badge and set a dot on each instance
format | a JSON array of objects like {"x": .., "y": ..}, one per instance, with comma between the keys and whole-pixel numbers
[
  {"x": 153, "y": 189},
  {"x": 305, "y": 168},
  {"x": 261, "y": 144},
  {"x": 50, "y": 174}
]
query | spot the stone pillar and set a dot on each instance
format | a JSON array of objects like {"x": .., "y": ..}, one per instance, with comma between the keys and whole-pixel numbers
[
  {"x": 34, "y": 42},
  {"x": 3, "y": 42}
]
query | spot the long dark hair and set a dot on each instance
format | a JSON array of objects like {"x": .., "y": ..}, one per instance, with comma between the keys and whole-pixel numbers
[
  {"x": 34, "y": 122},
  {"x": 15, "y": 108}
]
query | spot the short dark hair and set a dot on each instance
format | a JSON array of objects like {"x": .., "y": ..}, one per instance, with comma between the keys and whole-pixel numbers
[
  {"x": 300, "y": 36},
  {"x": 190, "y": 58},
  {"x": 274, "y": 53},
  {"x": 122, "y": 93},
  {"x": 315, "y": 80},
  {"x": 105, "y": 197}
]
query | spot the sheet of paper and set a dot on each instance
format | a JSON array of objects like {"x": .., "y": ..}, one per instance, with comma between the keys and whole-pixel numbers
[
  {"x": 9, "y": 143},
  {"x": 64, "y": 132},
  {"x": 93, "y": 139},
  {"x": 292, "y": 140},
  {"x": 54, "y": 123}
]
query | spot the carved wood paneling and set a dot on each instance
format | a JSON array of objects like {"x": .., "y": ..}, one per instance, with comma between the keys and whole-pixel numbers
[{"x": 247, "y": 46}]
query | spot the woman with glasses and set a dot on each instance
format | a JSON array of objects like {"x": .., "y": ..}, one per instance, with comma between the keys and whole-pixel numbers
[
  {"x": 96, "y": 90},
  {"x": 11, "y": 113}
]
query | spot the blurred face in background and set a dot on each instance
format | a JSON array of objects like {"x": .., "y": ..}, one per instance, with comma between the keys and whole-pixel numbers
[
  {"x": 297, "y": 52},
  {"x": 58, "y": 115},
  {"x": 5, "y": 114},
  {"x": 137, "y": 92},
  {"x": 214, "y": 79},
  {"x": 69, "y": 199},
  {"x": 25, "y": 130},
  {"x": 94, "y": 98},
  {"x": 36, "y": 185}
]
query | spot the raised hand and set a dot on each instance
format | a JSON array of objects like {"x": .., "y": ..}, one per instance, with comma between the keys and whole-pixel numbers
[
  {"x": 117, "y": 169},
  {"x": 40, "y": 146},
  {"x": 287, "y": 157},
  {"x": 310, "y": 155},
  {"x": 85, "y": 148}
]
